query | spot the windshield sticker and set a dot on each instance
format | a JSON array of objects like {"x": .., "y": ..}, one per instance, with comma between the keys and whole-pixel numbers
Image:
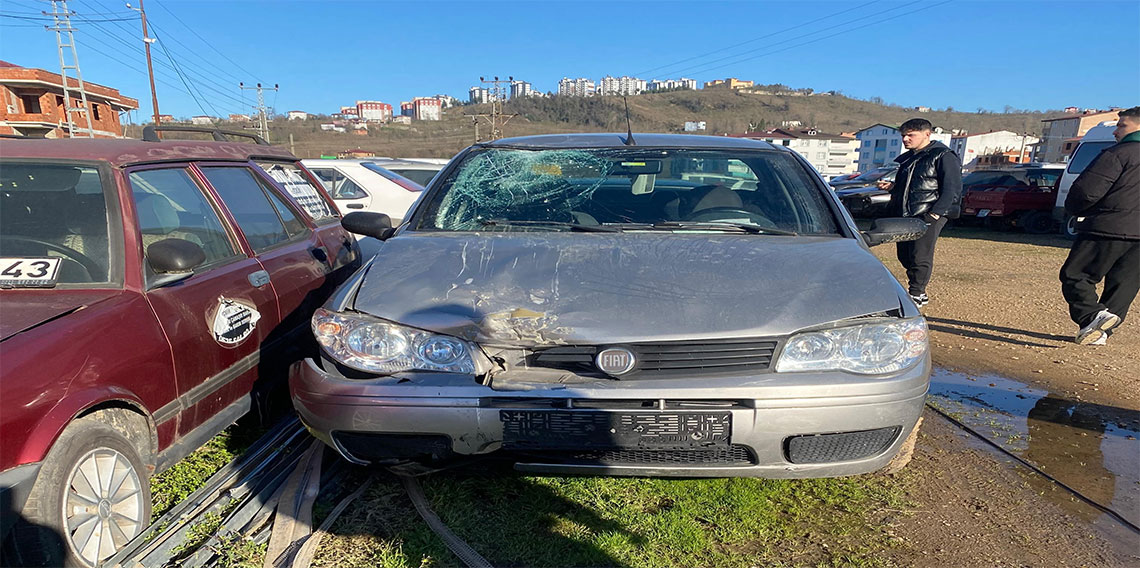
[
  {"x": 234, "y": 321},
  {"x": 35, "y": 272},
  {"x": 505, "y": 184}
]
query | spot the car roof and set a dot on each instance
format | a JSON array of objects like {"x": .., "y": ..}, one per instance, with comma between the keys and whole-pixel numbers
[
  {"x": 616, "y": 140},
  {"x": 405, "y": 164},
  {"x": 127, "y": 152}
]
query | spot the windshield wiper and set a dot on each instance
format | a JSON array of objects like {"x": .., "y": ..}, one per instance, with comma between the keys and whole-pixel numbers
[
  {"x": 710, "y": 225},
  {"x": 562, "y": 224}
]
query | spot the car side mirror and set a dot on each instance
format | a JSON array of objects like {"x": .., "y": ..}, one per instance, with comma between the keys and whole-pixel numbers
[
  {"x": 369, "y": 224},
  {"x": 893, "y": 230},
  {"x": 173, "y": 260}
]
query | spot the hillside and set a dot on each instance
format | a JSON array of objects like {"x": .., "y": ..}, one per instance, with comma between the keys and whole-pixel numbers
[{"x": 723, "y": 111}]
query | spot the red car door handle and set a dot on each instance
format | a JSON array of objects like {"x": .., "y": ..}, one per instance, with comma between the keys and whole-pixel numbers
[{"x": 259, "y": 278}]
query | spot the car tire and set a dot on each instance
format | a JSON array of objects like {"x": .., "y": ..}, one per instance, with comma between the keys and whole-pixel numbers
[
  {"x": 1036, "y": 222},
  {"x": 1069, "y": 227},
  {"x": 54, "y": 532},
  {"x": 905, "y": 453}
]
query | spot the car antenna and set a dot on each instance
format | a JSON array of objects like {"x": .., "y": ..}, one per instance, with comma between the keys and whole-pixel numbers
[{"x": 628, "y": 125}]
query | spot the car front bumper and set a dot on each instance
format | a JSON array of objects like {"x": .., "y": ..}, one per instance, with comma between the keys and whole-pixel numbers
[{"x": 767, "y": 412}]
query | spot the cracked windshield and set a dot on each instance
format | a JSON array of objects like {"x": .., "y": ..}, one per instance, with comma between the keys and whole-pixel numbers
[{"x": 513, "y": 189}]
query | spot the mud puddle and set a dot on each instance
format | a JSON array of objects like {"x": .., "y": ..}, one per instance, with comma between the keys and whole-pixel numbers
[{"x": 1092, "y": 448}]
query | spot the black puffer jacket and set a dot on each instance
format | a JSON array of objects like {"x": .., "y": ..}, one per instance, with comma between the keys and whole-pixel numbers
[
  {"x": 1107, "y": 194},
  {"x": 928, "y": 181}
]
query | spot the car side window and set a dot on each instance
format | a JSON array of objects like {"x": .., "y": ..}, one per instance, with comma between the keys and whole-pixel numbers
[
  {"x": 247, "y": 201},
  {"x": 338, "y": 185},
  {"x": 170, "y": 205}
]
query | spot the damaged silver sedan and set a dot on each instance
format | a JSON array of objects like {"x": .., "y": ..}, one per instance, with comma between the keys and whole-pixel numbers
[{"x": 668, "y": 305}]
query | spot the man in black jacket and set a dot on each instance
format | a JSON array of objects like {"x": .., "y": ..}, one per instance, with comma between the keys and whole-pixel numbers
[
  {"x": 1105, "y": 198},
  {"x": 928, "y": 185}
]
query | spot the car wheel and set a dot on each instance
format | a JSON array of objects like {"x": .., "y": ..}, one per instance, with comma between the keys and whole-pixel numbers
[
  {"x": 91, "y": 496},
  {"x": 1036, "y": 222},
  {"x": 906, "y": 452},
  {"x": 1069, "y": 228}
]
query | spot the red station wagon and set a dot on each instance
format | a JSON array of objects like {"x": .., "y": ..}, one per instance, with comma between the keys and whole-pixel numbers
[{"x": 151, "y": 293}]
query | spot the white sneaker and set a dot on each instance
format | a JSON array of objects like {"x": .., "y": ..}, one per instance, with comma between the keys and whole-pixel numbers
[{"x": 1094, "y": 332}]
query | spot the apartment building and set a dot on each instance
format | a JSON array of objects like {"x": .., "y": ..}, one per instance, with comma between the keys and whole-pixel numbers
[
  {"x": 971, "y": 148},
  {"x": 829, "y": 154},
  {"x": 671, "y": 84},
  {"x": 729, "y": 83},
  {"x": 1058, "y": 131},
  {"x": 580, "y": 87},
  {"x": 621, "y": 86},
  {"x": 34, "y": 105},
  {"x": 371, "y": 111},
  {"x": 426, "y": 108}
]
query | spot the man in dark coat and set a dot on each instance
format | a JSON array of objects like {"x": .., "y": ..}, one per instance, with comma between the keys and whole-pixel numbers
[
  {"x": 928, "y": 185},
  {"x": 1105, "y": 198}
]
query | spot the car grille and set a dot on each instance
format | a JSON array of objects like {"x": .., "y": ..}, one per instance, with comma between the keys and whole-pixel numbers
[
  {"x": 734, "y": 455},
  {"x": 671, "y": 359},
  {"x": 844, "y": 446}
]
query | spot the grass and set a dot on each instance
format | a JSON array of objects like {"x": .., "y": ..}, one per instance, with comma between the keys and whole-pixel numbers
[
  {"x": 183, "y": 478},
  {"x": 516, "y": 520}
]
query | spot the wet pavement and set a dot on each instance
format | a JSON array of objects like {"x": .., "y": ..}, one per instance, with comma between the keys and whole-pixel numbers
[{"x": 1092, "y": 448}]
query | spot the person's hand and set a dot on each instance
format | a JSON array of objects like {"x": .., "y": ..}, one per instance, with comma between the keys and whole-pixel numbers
[
  {"x": 931, "y": 217},
  {"x": 884, "y": 185}
]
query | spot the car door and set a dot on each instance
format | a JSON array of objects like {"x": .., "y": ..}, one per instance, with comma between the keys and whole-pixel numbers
[
  {"x": 347, "y": 194},
  {"x": 322, "y": 214},
  {"x": 216, "y": 319},
  {"x": 296, "y": 261}
]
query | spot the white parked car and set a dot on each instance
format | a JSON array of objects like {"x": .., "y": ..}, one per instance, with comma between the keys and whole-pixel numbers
[
  {"x": 360, "y": 185},
  {"x": 419, "y": 170},
  {"x": 1096, "y": 139}
]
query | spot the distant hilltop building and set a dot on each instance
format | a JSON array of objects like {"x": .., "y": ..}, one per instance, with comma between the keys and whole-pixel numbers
[
  {"x": 621, "y": 86},
  {"x": 426, "y": 108},
  {"x": 297, "y": 115},
  {"x": 234, "y": 118},
  {"x": 371, "y": 111},
  {"x": 34, "y": 105},
  {"x": 671, "y": 84},
  {"x": 829, "y": 154},
  {"x": 521, "y": 89},
  {"x": 580, "y": 87},
  {"x": 730, "y": 83},
  {"x": 479, "y": 95}
]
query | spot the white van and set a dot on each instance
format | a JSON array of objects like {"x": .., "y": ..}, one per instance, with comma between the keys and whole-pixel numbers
[{"x": 1096, "y": 139}]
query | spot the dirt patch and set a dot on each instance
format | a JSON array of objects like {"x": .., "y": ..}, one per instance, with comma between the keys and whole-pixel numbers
[
  {"x": 973, "y": 509},
  {"x": 996, "y": 307}
]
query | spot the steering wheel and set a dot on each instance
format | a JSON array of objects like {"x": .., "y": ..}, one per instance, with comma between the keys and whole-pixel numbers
[
  {"x": 733, "y": 213},
  {"x": 91, "y": 266}
]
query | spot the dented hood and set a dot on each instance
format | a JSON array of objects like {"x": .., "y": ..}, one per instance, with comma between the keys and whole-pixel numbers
[{"x": 532, "y": 289}]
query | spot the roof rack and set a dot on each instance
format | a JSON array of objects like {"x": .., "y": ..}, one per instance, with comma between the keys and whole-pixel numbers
[{"x": 150, "y": 133}]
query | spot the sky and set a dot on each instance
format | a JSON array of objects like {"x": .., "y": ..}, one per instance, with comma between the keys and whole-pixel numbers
[{"x": 967, "y": 54}]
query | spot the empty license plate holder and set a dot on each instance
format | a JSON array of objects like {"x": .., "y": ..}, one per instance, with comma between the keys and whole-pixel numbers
[{"x": 560, "y": 429}]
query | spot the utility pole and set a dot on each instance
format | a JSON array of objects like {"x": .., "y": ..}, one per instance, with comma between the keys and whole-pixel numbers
[
  {"x": 496, "y": 118},
  {"x": 262, "y": 116},
  {"x": 147, "y": 40},
  {"x": 62, "y": 18}
]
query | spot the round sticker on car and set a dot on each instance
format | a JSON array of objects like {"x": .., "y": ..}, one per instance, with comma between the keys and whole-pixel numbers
[{"x": 234, "y": 321}]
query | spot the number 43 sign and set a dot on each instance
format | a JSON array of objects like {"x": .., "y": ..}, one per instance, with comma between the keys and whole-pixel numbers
[{"x": 28, "y": 272}]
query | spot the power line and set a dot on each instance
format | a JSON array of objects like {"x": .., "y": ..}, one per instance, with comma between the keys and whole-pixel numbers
[
  {"x": 701, "y": 68},
  {"x": 182, "y": 76},
  {"x": 205, "y": 41},
  {"x": 816, "y": 40},
  {"x": 757, "y": 39}
]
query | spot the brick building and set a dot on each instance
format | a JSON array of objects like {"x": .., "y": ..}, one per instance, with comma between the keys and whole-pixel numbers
[{"x": 33, "y": 105}]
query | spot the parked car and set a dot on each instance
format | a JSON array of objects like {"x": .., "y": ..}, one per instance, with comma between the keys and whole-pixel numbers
[
  {"x": 1096, "y": 139},
  {"x": 1012, "y": 197},
  {"x": 360, "y": 185},
  {"x": 151, "y": 292},
  {"x": 843, "y": 177},
  {"x": 584, "y": 306},
  {"x": 418, "y": 170},
  {"x": 867, "y": 201},
  {"x": 866, "y": 178}
]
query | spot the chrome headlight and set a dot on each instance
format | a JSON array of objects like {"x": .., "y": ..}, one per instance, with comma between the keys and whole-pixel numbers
[
  {"x": 871, "y": 349},
  {"x": 374, "y": 345}
]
